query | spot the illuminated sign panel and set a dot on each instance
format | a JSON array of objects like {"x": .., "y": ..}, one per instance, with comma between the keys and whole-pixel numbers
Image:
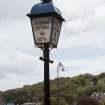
[
  {"x": 42, "y": 29},
  {"x": 56, "y": 31}
]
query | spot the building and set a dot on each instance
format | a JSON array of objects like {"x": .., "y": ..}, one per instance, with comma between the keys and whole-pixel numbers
[
  {"x": 1, "y": 100},
  {"x": 94, "y": 99},
  {"x": 9, "y": 104}
]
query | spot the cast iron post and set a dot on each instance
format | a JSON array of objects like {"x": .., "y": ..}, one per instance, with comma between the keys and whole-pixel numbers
[{"x": 46, "y": 75}]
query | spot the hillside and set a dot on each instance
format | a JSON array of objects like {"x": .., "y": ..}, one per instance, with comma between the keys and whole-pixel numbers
[{"x": 70, "y": 89}]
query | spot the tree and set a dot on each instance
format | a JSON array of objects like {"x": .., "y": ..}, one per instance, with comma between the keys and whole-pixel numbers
[{"x": 62, "y": 101}]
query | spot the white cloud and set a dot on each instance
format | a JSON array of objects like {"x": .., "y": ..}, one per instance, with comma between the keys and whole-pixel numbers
[
  {"x": 74, "y": 9},
  {"x": 78, "y": 66},
  {"x": 15, "y": 34},
  {"x": 87, "y": 30},
  {"x": 15, "y": 63},
  {"x": 15, "y": 8},
  {"x": 20, "y": 69}
]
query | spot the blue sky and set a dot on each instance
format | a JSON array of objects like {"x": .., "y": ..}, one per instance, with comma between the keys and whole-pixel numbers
[{"x": 81, "y": 47}]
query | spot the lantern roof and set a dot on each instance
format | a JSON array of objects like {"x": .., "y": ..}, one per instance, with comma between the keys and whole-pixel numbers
[{"x": 44, "y": 8}]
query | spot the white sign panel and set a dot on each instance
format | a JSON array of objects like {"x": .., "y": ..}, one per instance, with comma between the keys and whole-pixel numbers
[
  {"x": 42, "y": 29},
  {"x": 56, "y": 31}
]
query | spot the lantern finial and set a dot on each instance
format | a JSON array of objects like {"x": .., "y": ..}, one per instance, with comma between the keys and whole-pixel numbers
[{"x": 46, "y": 1}]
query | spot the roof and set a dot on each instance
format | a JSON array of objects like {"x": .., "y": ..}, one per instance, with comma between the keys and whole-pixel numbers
[{"x": 44, "y": 8}]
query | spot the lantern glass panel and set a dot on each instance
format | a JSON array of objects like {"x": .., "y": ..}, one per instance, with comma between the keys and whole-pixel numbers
[
  {"x": 42, "y": 29},
  {"x": 56, "y": 31}
]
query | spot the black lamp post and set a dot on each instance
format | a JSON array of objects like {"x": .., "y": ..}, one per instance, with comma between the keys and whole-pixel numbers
[{"x": 46, "y": 21}]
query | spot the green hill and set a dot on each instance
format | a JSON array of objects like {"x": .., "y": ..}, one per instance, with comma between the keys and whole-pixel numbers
[{"x": 70, "y": 89}]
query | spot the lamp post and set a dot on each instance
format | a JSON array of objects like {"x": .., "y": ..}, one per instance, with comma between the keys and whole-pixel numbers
[
  {"x": 46, "y": 21},
  {"x": 59, "y": 67}
]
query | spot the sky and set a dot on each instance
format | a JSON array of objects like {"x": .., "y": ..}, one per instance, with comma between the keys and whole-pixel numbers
[{"x": 81, "y": 47}]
